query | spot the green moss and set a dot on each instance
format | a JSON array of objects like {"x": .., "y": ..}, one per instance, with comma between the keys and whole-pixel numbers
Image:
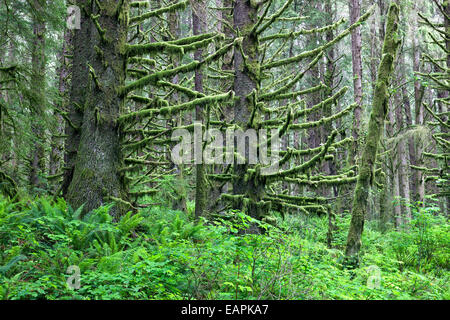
[
  {"x": 292, "y": 35},
  {"x": 272, "y": 18},
  {"x": 366, "y": 175},
  {"x": 306, "y": 165},
  {"x": 319, "y": 49},
  {"x": 8, "y": 186},
  {"x": 159, "y": 12},
  {"x": 139, "y": 4},
  {"x": 154, "y": 77},
  {"x": 294, "y": 80}
]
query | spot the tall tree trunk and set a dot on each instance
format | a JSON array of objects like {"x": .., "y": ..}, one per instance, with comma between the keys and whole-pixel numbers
[
  {"x": 419, "y": 183},
  {"x": 380, "y": 107},
  {"x": 403, "y": 109},
  {"x": 394, "y": 171},
  {"x": 446, "y": 6},
  {"x": 97, "y": 178},
  {"x": 224, "y": 26},
  {"x": 199, "y": 27},
  {"x": 82, "y": 55},
  {"x": 355, "y": 12},
  {"x": 57, "y": 152},
  {"x": 245, "y": 81},
  {"x": 37, "y": 158},
  {"x": 179, "y": 201},
  {"x": 329, "y": 167}
]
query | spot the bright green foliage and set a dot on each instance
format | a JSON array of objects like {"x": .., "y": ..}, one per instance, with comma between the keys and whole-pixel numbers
[
  {"x": 285, "y": 237},
  {"x": 161, "y": 254}
]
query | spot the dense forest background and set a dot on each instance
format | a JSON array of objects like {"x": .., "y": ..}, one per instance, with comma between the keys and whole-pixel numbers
[{"x": 97, "y": 96}]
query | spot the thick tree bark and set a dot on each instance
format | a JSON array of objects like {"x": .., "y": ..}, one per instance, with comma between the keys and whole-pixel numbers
[
  {"x": 245, "y": 81},
  {"x": 82, "y": 55},
  {"x": 379, "y": 111},
  {"x": 97, "y": 178}
]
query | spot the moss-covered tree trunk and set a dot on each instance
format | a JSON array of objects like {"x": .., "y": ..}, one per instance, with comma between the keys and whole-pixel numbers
[
  {"x": 97, "y": 178},
  {"x": 246, "y": 80},
  {"x": 376, "y": 125},
  {"x": 82, "y": 55}
]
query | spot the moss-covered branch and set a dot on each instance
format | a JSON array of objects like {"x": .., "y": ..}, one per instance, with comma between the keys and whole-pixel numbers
[
  {"x": 154, "y": 77},
  {"x": 306, "y": 165},
  {"x": 159, "y": 12},
  {"x": 319, "y": 49}
]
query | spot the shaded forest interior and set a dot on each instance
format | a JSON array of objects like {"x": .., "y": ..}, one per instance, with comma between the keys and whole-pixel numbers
[{"x": 226, "y": 149}]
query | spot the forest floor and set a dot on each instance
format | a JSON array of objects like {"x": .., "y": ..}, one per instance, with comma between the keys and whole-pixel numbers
[{"x": 162, "y": 254}]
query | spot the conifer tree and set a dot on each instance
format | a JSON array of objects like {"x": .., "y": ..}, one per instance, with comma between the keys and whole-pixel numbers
[
  {"x": 114, "y": 50},
  {"x": 258, "y": 93},
  {"x": 439, "y": 80},
  {"x": 96, "y": 176}
]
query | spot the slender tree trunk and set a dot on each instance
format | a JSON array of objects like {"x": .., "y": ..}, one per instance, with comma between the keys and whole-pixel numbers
[
  {"x": 446, "y": 6},
  {"x": 314, "y": 134},
  {"x": 179, "y": 202},
  {"x": 57, "y": 152},
  {"x": 199, "y": 27},
  {"x": 419, "y": 183},
  {"x": 382, "y": 7},
  {"x": 402, "y": 109},
  {"x": 394, "y": 172},
  {"x": 380, "y": 107},
  {"x": 37, "y": 158},
  {"x": 355, "y": 12},
  {"x": 374, "y": 58},
  {"x": 384, "y": 203},
  {"x": 82, "y": 55},
  {"x": 329, "y": 167},
  {"x": 227, "y": 114}
]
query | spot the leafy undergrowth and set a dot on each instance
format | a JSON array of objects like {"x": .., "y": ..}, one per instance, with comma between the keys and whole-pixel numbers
[{"x": 161, "y": 254}]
